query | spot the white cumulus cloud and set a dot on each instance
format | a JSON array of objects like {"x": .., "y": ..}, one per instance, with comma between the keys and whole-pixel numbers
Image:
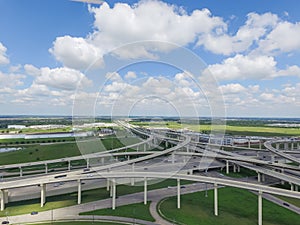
[
  {"x": 3, "y": 56},
  {"x": 61, "y": 78}
]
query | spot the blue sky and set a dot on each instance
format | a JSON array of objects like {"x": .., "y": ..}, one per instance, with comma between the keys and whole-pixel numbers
[{"x": 55, "y": 53}]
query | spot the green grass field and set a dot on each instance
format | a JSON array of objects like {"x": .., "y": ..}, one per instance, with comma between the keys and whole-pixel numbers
[
  {"x": 137, "y": 211},
  {"x": 78, "y": 223},
  {"x": 45, "y": 151},
  {"x": 230, "y": 130},
  {"x": 236, "y": 207}
]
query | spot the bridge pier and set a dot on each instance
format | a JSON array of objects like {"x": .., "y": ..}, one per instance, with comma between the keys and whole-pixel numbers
[
  {"x": 178, "y": 193},
  {"x": 249, "y": 143},
  {"x": 173, "y": 157},
  {"x": 234, "y": 168},
  {"x": 227, "y": 167},
  {"x": 102, "y": 161},
  {"x": 21, "y": 171},
  {"x": 110, "y": 189},
  {"x": 79, "y": 192},
  {"x": 258, "y": 177},
  {"x": 132, "y": 179},
  {"x": 238, "y": 168},
  {"x": 43, "y": 194},
  {"x": 145, "y": 191},
  {"x": 298, "y": 145},
  {"x": 259, "y": 144},
  {"x": 216, "y": 199},
  {"x": 263, "y": 178},
  {"x": 2, "y": 203},
  {"x": 286, "y": 146},
  {"x": 107, "y": 184},
  {"x": 292, "y": 187},
  {"x": 87, "y": 163},
  {"x": 260, "y": 208},
  {"x": 113, "y": 194},
  {"x": 145, "y": 146},
  {"x": 69, "y": 165},
  {"x": 277, "y": 146},
  {"x": 292, "y": 146}
]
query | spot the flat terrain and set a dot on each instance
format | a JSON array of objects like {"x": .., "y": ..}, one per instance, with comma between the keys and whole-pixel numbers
[
  {"x": 241, "y": 130},
  {"x": 236, "y": 206},
  {"x": 137, "y": 211}
]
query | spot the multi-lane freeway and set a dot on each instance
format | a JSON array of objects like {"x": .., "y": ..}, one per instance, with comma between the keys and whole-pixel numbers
[{"x": 176, "y": 160}]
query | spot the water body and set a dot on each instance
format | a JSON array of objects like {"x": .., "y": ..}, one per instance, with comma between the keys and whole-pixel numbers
[{"x": 9, "y": 149}]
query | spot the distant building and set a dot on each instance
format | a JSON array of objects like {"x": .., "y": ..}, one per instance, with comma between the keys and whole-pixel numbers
[{"x": 17, "y": 127}]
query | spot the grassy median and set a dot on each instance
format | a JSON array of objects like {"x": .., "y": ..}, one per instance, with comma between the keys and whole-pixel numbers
[{"x": 236, "y": 206}]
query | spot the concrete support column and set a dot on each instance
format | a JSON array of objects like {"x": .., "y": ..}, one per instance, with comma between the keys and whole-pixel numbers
[
  {"x": 173, "y": 158},
  {"x": 187, "y": 149},
  {"x": 296, "y": 188},
  {"x": 216, "y": 198},
  {"x": 79, "y": 192},
  {"x": 145, "y": 191},
  {"x": 292, "y": 146},
  {"x": 111, "y": 189},
  {"x": 5, "y": 196},
  {"x": 259, "y": 144},
  {"x": 227, "y": 167},
  {"x": 249, "y": 143},
  {"x": 46, "y": 168},
  {"x": 21, "y": 171},
  {"x": 87, "y": 163},
  {"x": 277, "y": 146},
  {"x": 258, "y": 177},
  {"x": 107, "y": 184},
  {"x": 166, "y": 144},
  {"x": 238, "y": 168},
  {"x": 102, "y": 160},
  {"x": 69, "y": 165},
  {"x": 43, "y": 194},
  {"x": 260, "y": 208},
  {"x": 292, "y": 187},
  {"x": 145, "y": 147},
  {"x": 298, "y": 145},
  {"x": 132, "y": 179},
  {"x": 234, "y": 168},
  {"x": 263, "y": 179},
  {"x": 2, "y": 199},
  {"x": 178, "y": 193},
  {"x": 286, "y": 146},
  {"x": 114, "y": 194}
]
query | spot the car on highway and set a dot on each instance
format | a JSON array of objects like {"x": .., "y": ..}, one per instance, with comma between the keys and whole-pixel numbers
[
  {"x": 5, "y": 222},
  {"x": 34, "y": 213}
]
